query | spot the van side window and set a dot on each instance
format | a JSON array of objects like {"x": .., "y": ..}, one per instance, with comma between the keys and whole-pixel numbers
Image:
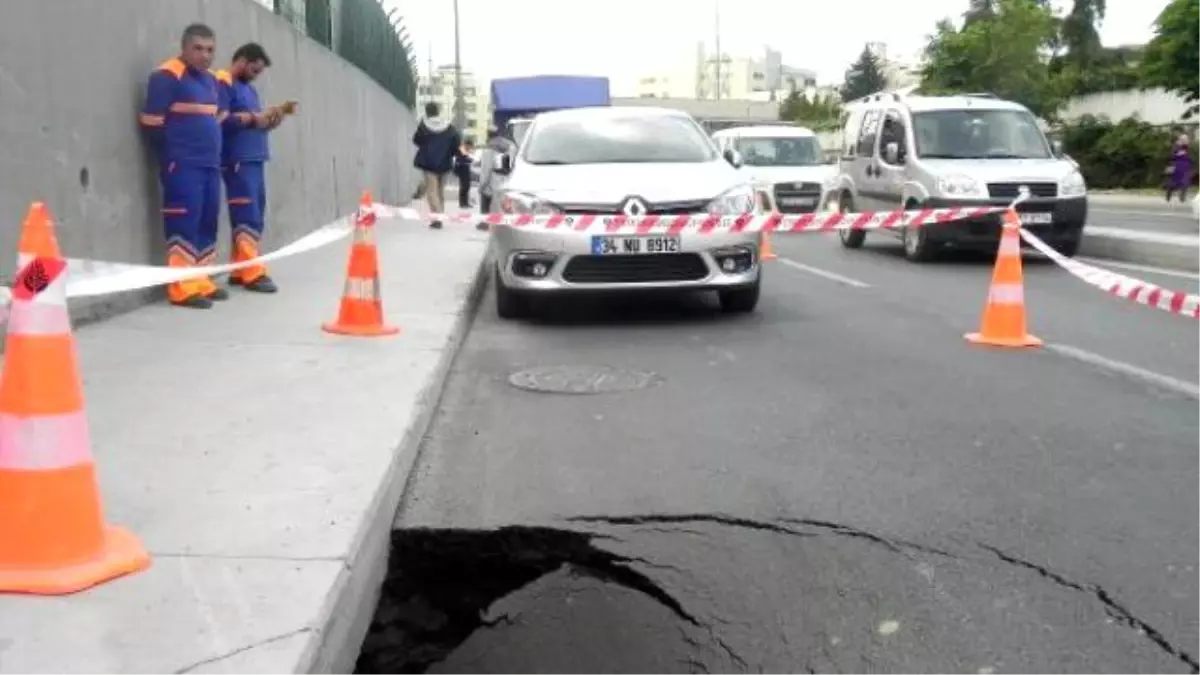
[
  {"x": 850, "y": 134},
  {"x": 893, "y": 132},
  {"x": 866, "y": 137}
]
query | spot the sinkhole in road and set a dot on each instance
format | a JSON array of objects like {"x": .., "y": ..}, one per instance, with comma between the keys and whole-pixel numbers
[{"x": 441, "y": 583}]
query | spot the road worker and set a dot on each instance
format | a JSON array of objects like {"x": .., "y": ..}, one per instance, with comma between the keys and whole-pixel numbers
[
  {"x": 244, "y": 160},
  {"x": 183, "y": 118}
]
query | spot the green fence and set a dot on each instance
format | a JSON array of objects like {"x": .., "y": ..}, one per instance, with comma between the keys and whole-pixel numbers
[{"x": 368, "y": 36}]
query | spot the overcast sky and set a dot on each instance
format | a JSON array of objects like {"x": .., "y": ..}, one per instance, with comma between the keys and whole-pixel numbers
[{"x": 627, "y": 38}]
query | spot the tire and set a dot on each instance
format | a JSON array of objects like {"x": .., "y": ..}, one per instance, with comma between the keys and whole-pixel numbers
[
  {"x": 1069, "y": 246},
  {"x": 510, "y": 304},
  {"x": 917, "y": 246},
  {"x": 740, "y": 300},
  {"x": 850, "y": 238}
]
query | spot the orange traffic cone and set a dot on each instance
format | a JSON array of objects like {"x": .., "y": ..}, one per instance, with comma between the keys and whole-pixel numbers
[
  {"x": 765, "y": 252},
  {"x": 361, "y": 311},
  {"x": 1003, "y": 322},
  {"x": 53, "y": 538}
]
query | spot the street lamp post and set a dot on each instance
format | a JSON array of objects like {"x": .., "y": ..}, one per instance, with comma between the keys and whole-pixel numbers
[{"x": 459, "y": 113}]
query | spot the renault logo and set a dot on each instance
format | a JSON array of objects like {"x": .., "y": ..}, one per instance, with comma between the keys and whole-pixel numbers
[{"x": 634, "y": 207}]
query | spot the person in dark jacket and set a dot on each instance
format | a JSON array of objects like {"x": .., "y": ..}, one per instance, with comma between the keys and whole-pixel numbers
[
  {"x": 462, "y": 169},
  {"x": 437, "y": 144}
]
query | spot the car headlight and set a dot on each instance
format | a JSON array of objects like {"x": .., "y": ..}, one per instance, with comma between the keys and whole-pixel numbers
[
  {"x": 734, "y": 202},
  {"x": 521, "y": 203},
  {"x": 1073, "y": 185},
  {"x": 960, "y": 186}
]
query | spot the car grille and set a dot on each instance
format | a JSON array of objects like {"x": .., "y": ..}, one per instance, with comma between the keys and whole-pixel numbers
[
  {"x": 793, "y": 190},
  {"x": 1011, "y": 190},
  {"x": 623, "y": 269},
  {"x": 664, "y": 209}
]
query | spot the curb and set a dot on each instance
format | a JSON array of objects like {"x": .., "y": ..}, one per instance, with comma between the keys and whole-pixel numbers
[
  {"x": 337, "y": 638},
  {"x": 1164, "y": 254}
]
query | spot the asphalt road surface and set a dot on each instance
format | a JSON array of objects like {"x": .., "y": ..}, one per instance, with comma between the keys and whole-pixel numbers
[{"x": 838, "y": 482}]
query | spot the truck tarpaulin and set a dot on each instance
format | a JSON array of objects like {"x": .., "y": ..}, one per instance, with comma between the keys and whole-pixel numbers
[{"x": 528, "y": 96}]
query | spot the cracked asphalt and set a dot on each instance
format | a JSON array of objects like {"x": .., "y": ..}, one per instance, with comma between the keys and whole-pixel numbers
[{"x": 836, "y": 483}]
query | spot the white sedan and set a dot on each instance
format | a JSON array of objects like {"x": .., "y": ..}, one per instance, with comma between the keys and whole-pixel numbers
[{"x": 633, "y": 161}]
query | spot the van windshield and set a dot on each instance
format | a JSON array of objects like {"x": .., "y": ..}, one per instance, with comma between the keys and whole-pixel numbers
[
  {"x": 979, "y": 134},
  {"x": 794, "y": 151}
]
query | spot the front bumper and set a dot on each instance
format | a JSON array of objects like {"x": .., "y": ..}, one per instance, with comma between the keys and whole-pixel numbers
[
  {"x": 1068, "y": 216},
  {"x": 569, "y": 264}
]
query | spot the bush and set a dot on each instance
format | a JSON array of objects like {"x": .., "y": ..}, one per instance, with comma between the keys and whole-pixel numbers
[{"x": 1127, "y": 154}]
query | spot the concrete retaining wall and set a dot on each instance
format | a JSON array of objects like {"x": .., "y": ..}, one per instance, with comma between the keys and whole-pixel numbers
[{"x": 73, "y": 78}]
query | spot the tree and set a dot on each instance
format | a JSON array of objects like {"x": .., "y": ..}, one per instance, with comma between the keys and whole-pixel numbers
[
  {"x": 1006, "y": 55},
  {"x": 818, "y": 112},
  {"x": 1172, "y": 58},
  {"x": 864, "y": 77}
]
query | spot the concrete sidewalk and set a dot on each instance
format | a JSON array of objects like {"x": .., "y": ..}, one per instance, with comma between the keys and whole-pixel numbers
[{"x": 260, "y": 461}]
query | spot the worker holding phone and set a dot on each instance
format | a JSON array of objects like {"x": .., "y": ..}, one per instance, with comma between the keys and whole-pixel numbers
[{"x": 244, "y": 160}]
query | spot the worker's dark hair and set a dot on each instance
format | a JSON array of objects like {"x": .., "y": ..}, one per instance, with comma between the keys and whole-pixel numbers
[
  {"x": 432, "y": 109},
  {"x": 197, "y": 30},
  {"x": 251, "y": 52}
]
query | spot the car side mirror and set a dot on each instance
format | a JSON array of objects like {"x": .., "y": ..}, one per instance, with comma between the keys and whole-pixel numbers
[
  {"x": 733, "y": 157},
  {"x": 1057, "y": 147},
  {"x": 891, "y": 153},
  {"x": 502, "y": 163}
]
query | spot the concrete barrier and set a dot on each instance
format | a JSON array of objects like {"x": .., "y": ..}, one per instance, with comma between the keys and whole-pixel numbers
[{"x": 72, "y": 80}]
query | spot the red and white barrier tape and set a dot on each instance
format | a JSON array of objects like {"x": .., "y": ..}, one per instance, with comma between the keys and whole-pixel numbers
[
  {"x": 701, "y": 223},
  {"x": 1141, "y": 292}
]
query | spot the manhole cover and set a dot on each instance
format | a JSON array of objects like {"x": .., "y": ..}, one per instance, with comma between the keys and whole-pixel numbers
[{"x": 581, "y": 379}]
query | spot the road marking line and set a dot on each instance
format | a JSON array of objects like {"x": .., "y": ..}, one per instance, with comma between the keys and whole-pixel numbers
[
  {"x": 1127, "y": 369},
  {"x": 1150, "y": 213},
  {"x": 1100, "y": 262},
  {"x": 832, "y": 276}
]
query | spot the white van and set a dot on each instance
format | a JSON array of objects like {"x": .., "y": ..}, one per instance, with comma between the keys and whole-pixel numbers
[
  {"x": 910, "y": 152},
  {"x": 788, "y": 159}
]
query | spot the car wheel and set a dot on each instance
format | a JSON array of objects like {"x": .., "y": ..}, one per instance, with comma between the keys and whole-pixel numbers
[
  {"x": 510, "y": 304},
  {"x": 850, "y": 238},
  {"x": 740, "y": 300},
  {"x": 1069, "y": 246},
  {"x": 917, "y": 246}
]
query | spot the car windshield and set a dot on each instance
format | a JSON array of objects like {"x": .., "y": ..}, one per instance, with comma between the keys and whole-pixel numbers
[
  {"x": 619, "y": 139},
  {"x": 979, "y": 134},
  {"x": 804, "y": 151}
]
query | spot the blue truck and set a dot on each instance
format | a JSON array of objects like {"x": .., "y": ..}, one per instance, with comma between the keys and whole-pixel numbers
[{"x": 516, "y": 100}]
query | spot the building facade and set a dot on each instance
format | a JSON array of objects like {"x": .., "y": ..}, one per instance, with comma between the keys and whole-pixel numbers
[
  {"x": 711, "y": 76},
  {"x": 438, "y": 87}
]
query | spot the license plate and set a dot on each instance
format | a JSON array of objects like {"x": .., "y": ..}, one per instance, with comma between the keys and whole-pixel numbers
[
  {"x": 634, "y": 245},
  {"x": 1036, "y": 218},
  {"x": 798, "y": 201}
]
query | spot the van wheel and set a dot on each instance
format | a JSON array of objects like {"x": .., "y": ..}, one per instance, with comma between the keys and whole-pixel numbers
[
  {"x": 1069, "y": 246},
  {"x": 917, "y": 246},
  {"x": 510, "y": 304},
  {"x": 850, "y": 238}
]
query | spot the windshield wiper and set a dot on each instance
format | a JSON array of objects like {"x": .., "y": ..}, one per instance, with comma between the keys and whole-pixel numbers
[{"x": 549, "y": 162}]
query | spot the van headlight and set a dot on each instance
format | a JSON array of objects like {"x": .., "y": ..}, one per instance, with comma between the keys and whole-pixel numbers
[
  {"x": 521, "y": 203},
  {"x": 737, "y": 201},
  {"x": 1073, "y": 185},
  {"x": 960, "y": 186}
]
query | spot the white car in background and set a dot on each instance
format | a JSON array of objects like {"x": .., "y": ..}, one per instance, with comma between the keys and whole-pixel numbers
[
  {"x": 622, "y": 160},
  {"x": 786, "y": 160}
]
